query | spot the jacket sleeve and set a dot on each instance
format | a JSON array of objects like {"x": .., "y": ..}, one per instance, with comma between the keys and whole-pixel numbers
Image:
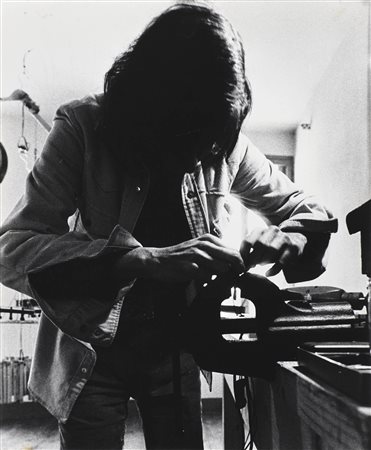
[
  {"x": 261, "y": 187},
  {"x": 63, "y": 270}
]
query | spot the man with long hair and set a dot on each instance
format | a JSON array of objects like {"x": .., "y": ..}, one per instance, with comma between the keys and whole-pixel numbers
[{"x": 123, "y": 217}]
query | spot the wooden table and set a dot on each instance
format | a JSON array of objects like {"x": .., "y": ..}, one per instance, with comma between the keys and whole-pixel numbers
[{"x": 296, "y": 412}]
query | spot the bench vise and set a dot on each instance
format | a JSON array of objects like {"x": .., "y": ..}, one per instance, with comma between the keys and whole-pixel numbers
[{"x": 284, "y": 320}]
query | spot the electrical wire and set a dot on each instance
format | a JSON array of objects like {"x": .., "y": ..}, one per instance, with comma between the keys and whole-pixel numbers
[
  {"x": 238, "y": 412},
  {"x": 252, "y": 414},
  {"x": 35, "y": 150},
  {"x": 22, "y": 143}
]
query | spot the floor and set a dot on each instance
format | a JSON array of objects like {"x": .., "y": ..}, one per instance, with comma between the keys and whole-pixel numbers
[{"x": 28, "y": 427}]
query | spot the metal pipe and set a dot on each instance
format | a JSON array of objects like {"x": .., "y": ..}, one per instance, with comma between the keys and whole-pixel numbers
[{"x": 42, "y": 122}]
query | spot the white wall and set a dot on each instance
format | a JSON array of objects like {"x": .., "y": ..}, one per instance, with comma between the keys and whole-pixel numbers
[
  {"x": 333, "y": 157},
  {"x": 273, "y": 141}
]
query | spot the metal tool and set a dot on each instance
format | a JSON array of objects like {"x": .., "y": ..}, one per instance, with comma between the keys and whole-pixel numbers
[{"x": 284, "y": 320}]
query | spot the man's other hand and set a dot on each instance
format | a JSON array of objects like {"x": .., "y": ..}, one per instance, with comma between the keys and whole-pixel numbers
[{"x": 272, "y": 245}]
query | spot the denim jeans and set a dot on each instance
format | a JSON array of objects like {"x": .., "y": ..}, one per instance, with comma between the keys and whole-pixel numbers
[{"x": 139, "y": 365}]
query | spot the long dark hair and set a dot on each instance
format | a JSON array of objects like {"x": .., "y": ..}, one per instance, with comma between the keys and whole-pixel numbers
[{"x": 190, "y": 54}]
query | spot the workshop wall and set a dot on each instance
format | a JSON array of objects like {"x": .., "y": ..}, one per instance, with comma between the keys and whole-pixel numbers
[
  {"x": 277, "y": 142},
  {"x": 333, "y": 155}
]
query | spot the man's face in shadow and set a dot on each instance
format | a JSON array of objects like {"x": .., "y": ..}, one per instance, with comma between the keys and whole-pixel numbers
[{"x": 192, "y": 133}]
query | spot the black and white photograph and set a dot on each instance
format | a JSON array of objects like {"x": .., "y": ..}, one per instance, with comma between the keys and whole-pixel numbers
[{"x": 185, "y": 225}]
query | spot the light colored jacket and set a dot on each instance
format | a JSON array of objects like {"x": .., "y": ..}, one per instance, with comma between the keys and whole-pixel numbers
[{"x": 77, "y": 214}]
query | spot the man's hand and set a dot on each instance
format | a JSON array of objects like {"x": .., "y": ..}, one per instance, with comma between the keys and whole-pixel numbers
[
  {"x": 196, "y": 259},
  {"x": 272, "y": 245}
]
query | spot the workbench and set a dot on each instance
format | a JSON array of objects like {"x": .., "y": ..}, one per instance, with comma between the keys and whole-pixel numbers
[{"x": 296, "y": 411}]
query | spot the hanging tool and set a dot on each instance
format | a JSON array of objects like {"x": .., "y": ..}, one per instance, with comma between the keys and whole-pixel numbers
[{"x": 20, "y": 95}]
